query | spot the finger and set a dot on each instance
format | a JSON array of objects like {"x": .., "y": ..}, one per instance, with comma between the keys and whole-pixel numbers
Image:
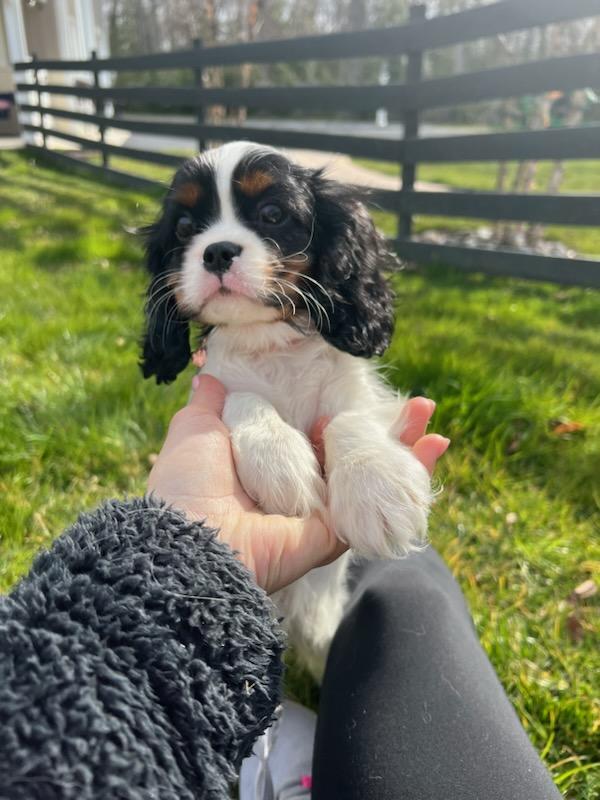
[
  {"x": 429, "y": 448},
  {"x": 316, "y": 438},
  {"x": 414, "y": 419},
  {"x": 208, "y": 395}
]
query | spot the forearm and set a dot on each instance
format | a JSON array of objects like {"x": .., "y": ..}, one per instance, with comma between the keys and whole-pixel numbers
[{"x": 138, "y": 658}]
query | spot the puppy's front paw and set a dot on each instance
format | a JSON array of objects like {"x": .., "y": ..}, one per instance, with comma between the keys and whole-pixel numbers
[
  {"x": 283, "y": 476},
  {"x": 379, "y": 497},
  {"x": 275, "y": 462}
]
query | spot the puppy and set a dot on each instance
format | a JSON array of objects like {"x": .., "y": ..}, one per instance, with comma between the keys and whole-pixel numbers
[{"x": 281, "y": 268}]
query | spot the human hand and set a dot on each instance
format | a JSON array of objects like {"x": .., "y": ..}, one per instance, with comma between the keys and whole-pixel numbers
[{"x": 195, "y": 473}]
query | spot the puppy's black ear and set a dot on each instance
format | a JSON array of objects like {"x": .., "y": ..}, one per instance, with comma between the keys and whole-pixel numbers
[
  {"x": 348, "y": 253},
  {"x": 166, "y": 340}
]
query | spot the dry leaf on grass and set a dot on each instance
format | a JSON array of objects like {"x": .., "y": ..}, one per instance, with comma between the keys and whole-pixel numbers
[{"x": 563, "y": 428}]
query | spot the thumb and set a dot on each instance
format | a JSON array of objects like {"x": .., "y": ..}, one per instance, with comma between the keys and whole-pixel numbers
[
  {"x": 429, "y": 448},
  {"x": 208, "y": 395}
]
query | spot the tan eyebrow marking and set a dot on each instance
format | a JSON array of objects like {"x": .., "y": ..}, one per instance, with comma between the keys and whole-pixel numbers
[
  {"x": 188, "y": 194},
  {"x": 255, "y": 182}
]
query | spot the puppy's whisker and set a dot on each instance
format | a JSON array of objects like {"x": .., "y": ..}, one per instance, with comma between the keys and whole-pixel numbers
[
  {"x": 299, "y": 256},
  {"x": 268, "y": 239},
  {"x": 153, "y": 322},
  {"x": 281, "y": 282},
  {"x": 274, "y": 294},
  {"x": 153, "y": 309},
  {"x": 153, "y": 313},
  {"x": 162, "y": 282},
  {"x": 309, "y": 299},
  {"x": 171, "y": 314},
  {"x": 301, "y": 252},
  {"x": 165, "y": 276},
  {"x": 308, "y": 244},
  {"x": 173, "y": 250},
  {"x": 312, "y": 280},
  {"x": 310, "y": 302},
  {"x": 159, "y": 291},
  {"x": 165, "y": 328},
  {"x": 164, "y": 289},
  {"x": 286, "y": 296}
]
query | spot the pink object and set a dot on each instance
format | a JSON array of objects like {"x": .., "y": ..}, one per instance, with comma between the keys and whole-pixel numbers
[
  {"x": 306, "y": 781},
  {"x": 199, "y": 358}
]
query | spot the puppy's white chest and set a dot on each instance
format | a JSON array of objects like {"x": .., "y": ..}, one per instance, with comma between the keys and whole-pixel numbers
[{"x": 293, "y": 380}]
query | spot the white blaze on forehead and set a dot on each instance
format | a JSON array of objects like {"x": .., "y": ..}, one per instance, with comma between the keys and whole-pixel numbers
[{"x": 224, "y": 160}]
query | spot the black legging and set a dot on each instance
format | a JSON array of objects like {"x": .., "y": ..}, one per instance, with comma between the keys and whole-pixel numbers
[{"x": 411, "y": 708}]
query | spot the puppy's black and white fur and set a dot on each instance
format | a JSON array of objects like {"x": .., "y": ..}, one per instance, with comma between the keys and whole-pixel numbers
[{"x": 281, "y": 266}]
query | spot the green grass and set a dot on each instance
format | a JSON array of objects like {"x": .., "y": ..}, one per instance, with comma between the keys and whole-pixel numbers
[
  {"x": 155, "y": 172},
  {"x": 580, "y": 176},
  {"x": 518, "y": 519}
]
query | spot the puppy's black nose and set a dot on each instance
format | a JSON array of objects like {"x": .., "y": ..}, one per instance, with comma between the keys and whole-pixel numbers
[{"x": 219, "y": 256}]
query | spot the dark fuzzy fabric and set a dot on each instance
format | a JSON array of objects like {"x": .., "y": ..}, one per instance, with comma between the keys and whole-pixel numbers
[{"x": 138, "y": 659}]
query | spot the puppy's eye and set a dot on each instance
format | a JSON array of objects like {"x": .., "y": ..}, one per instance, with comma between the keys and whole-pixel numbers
[
  {"x": 271, "y": 214},
  {"x": 185, "y": 229}
]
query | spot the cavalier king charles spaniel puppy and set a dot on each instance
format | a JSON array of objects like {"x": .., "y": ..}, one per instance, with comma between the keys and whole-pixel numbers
[{"x": 281, "y": 268}]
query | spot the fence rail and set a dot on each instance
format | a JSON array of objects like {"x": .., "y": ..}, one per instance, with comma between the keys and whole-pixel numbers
[
  {"x": 411, "y": 98},
  {"x": 541, "y": 76},
  {"x": 418, "y": 35}
]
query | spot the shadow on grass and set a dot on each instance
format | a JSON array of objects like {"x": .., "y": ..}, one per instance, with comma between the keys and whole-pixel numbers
[
  {"x": 67, "y": 237},
  {"x": 57, "y": 256},
  {"x": 588, "y": 316},
  {"x": 78, "y": 194},
  {"x": 11, "y": 238},
  {"x": 46, "y": 205}
]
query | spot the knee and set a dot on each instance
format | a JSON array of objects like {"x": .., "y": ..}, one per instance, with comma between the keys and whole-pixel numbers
[{"x": 405, "y": 590}]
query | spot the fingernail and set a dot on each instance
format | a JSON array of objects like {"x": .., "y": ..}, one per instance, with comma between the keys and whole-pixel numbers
[
  {"x": 446, "y": 443},
  {"x": 432, "y": 404},
  {"x": 195, "y": 382}
]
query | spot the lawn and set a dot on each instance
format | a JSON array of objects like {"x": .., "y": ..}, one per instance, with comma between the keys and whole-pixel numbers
[
  {"x": 513, "y": 366},
  {"x": 580, "y": 177}
]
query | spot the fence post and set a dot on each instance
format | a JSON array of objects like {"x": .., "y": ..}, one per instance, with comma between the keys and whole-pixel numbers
[
  {"x": 40, "y": 106},
  {"x": 414, "y": 73},
  {"x": 199, "y": 82},
  {"x": 99, "y": 107}
]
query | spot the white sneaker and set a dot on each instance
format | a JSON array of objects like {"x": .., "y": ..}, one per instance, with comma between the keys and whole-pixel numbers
[{"x": 280, "y": 767}]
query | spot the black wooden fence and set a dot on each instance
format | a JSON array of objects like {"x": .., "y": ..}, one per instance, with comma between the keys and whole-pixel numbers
[{"x": 409, "y": 99}]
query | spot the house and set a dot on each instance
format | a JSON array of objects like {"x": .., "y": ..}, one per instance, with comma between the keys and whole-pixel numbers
[{"x": 57, "y": 29}]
